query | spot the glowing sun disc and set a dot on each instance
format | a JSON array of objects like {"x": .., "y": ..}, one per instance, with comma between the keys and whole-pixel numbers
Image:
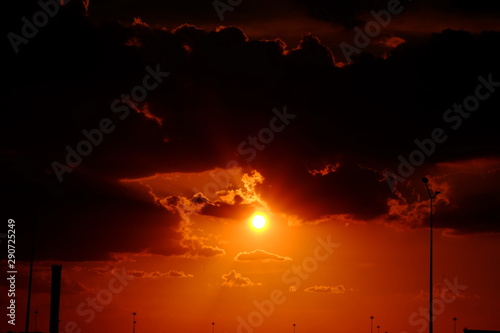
[{"x": 259, "y": 221}]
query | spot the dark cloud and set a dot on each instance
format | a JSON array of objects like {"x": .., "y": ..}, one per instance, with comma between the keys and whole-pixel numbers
[
  {"x": 353, "y": 13},
  {"x": 470, "y": 190},
  {"x": 222, "y": 88},
  {"x": 352, "y": 190},
  {"x": 237, "y": 210},
  {"x": 345, "y": 13},
  {"x": 90, "y": 221},
  {"x": 95, "y": 219},
  {"x": 193, "y": 245}
]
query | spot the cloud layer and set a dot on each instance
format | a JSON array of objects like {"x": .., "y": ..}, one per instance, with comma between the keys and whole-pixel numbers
[
  {"x": 156, "y": 274},
  {"x": 340, "y": 289},
  {"x": 352, "y": 124},
  {"x": 260, "y": 255},
  {"x": 234, "y": 279}
]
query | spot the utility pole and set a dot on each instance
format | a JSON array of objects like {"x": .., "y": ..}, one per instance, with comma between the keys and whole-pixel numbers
[{"x": 432, "y": 196}]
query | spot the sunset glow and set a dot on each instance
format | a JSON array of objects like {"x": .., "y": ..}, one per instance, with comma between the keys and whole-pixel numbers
[
  {"x": 250, "y": 166},
  {"x": 259, "y": 221}
]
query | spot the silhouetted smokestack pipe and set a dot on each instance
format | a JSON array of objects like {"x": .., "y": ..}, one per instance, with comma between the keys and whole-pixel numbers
[{"x": 55, "y": 297}]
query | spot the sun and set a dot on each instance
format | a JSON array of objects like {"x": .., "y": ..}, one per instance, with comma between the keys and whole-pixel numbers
[{"x": 259, "y": 221}]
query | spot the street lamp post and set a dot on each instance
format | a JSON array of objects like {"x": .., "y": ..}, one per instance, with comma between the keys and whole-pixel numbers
[
  {"x": 378, "y": 328},
  {"x": 30, "y": 279},
  {"x": 134, "y": 322},
  {"x": 371, "y": 324},
  {"x": 36, "y": 316},
  {"x": 454, "y": 324},
  {"x": 294, "y": 328},
  {"x": 432, "y": 196},
  {"x": 213, "y": 324}
]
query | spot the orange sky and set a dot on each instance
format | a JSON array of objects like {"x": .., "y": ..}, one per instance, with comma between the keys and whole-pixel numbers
[
  {"x": 332, "y": 273},
  {"x": 141, "y": 137},
  {"x": 382, "y": 272}
]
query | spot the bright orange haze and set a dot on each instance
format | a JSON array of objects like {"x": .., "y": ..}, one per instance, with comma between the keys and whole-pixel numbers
[{"x": 329, "y": 275}]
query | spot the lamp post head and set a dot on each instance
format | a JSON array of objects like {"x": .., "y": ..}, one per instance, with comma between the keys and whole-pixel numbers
[{"x": 425, "y": 180}]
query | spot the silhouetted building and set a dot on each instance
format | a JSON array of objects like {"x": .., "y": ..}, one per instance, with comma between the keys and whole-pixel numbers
[
  {"x": 55, "y": 297},
  {"x": 466, "y": 330}
]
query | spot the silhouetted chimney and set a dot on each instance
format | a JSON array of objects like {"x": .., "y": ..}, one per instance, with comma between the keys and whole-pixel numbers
[{"x": 55, "y": 297}]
